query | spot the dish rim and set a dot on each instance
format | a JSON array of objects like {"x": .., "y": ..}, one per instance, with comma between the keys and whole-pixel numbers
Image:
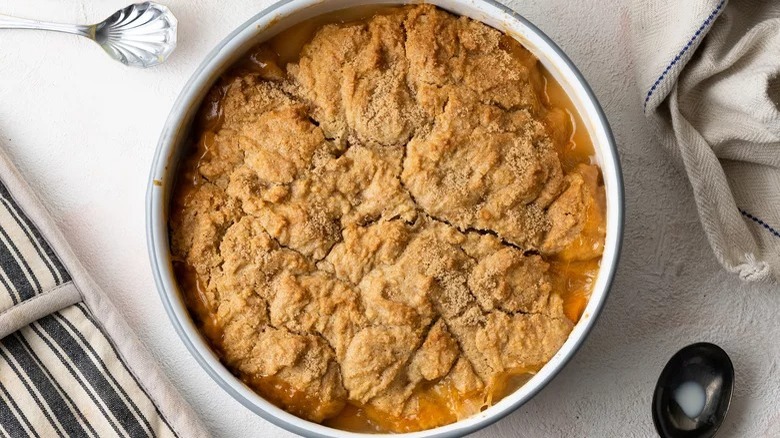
[{"x": 162, "y": 176}]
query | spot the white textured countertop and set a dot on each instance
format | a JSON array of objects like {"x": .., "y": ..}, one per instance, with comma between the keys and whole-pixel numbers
[{"x": 83, "y": 129}]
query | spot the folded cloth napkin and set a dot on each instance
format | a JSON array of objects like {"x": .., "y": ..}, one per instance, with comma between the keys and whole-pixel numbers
[
  {"x": 709, "y": 74},
  {"x": 69, "y": 365}
]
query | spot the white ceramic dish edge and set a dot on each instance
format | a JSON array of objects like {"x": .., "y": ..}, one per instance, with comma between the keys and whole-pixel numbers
[{"x": 282, "y": 15}]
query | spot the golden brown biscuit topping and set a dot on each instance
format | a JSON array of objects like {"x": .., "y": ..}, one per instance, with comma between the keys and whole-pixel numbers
[{"x": 385, "y": 232}]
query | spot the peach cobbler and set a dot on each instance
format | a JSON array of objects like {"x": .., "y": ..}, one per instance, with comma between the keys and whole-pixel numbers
[{"x": 387, "y": 223}]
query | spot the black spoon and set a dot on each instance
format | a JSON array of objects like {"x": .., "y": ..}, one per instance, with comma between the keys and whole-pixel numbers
[{"x": 693, "y": 392}]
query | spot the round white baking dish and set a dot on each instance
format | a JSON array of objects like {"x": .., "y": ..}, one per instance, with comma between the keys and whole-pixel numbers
[{"x": 271, "y": 21}]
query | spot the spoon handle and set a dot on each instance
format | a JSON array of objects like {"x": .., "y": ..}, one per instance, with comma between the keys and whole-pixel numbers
[{"x": 7, "y": 22}]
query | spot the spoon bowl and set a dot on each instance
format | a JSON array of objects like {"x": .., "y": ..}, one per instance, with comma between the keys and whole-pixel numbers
[
  {"x": 693, "y": 392},
  {"x": 139, "y": 35}
]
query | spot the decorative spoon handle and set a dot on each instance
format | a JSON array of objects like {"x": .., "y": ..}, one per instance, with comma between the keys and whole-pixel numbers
[
  {"x": 7, "y": 22},
  {"x": 140, "y": 35}
]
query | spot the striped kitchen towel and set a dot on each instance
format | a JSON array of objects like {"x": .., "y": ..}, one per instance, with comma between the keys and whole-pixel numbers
[
  {"x": 69, "y": 365},
  {"x": 709, "y": 73}
]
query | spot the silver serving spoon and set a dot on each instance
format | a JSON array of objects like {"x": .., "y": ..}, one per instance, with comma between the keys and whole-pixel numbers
[
  {"x": 693, "y": 392},
  {"x": 140, "y": 35}
]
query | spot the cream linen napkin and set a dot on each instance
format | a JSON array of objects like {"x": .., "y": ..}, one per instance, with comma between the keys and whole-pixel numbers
[{"x": 709, "y": 73}]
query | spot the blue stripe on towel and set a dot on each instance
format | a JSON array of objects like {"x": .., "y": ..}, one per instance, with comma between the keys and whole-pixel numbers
[
  {"x": 760, "y": 222},
  {"x": 677, "y": 58}
]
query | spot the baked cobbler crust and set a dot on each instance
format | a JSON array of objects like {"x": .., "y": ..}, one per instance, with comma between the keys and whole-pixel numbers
[{"x": 377, "y": 223}]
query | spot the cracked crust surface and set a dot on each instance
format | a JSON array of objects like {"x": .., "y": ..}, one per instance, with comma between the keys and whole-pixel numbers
[{"x": 376, "y": 226}]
